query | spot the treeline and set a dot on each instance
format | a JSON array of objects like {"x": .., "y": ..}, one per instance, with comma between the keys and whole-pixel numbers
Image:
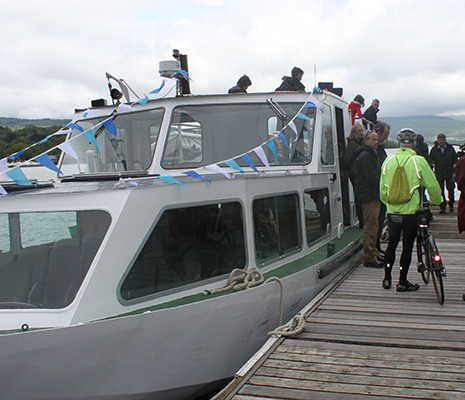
[{"x": 14, "y": 140}]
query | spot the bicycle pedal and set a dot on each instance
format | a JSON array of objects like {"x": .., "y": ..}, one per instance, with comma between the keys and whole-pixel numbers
[{"x": 421, "y": 267}]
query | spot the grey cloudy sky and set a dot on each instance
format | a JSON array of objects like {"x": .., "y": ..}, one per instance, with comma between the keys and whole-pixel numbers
[{"x": 54, "y": 53}]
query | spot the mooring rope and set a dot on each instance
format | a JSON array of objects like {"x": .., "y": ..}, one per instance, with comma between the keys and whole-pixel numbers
[
  {"x": 240, "y": 279},
  {"x": 294, "y": 327}
]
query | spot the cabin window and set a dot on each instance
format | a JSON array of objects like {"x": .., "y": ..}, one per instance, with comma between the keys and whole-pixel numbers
[
  {"x": 50, "y": 254},
  {"x": 188, "y": 245},
  {"x": 131, "y": 149},
  {"x": 4, "y": 234},
  {"x": 327, "y": 138},
  {"x": 276, "y": 226},
  {"x": 317, "y": 213},
  {"x": 207, "y": 134}
]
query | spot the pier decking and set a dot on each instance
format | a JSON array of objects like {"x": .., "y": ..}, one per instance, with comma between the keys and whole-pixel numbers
[{"x": 362, "y": 341}]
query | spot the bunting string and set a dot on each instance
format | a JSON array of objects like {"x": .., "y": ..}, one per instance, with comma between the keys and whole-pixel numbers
[{"x": 17, "y": 175}]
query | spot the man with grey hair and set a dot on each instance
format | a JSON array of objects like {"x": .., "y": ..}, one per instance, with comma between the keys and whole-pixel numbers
[
  {"x": 401, "y": 217},
  {"x": 370, "y": 114}
]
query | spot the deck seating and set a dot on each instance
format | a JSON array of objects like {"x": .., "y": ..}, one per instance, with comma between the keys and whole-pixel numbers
[
  {"x": 38, "y": 257},
  {"x": 15, "y": 282},
  {"x": 64, "y": 273}
]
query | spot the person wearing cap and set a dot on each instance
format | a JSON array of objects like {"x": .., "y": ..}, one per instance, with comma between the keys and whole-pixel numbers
[
  {"x": 443, "y": 157},
  {"x": 401, "y": 217}
]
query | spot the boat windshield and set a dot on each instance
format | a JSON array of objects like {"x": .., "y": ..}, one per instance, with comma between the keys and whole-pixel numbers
[
  {"x": 205, "y": 134},
  {"x": 130, "y": 150},
  {"x": 44, "y": 256}
]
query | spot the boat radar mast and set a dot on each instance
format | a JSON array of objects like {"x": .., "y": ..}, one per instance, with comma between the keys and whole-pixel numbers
[{"x": 177, "y": 69}]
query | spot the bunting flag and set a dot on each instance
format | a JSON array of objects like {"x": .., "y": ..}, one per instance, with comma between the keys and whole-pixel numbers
[
  {"x": 262, "y": 156},
  {"x": 283, "y": 138},
  {"x": 249, "y": 162},
  {"x": 160, "y": 88},
  {"x": 62, "y": 131},
  {"x": 74, "y": 126},
  {"x": 195, "y": 175},
  {"x": 142, "y": 102},
  {"x": 233, "y": 164},
  {"x": 272, "y": 147},
  {"x": 110, "y": 126},
  {"x": 315, "y": 101},
  {"x": 3, "y": 165},
  {"x": 294, "y": 128},
  {"x": 3, "y": 192},
  {"x": 217, "y": 168},
  {"x": 90, "y": 112},
  {"x": 170, "y": 179},
  {"x": 43, "y": 140},
  {"x": 15, "y": 156},
  {"x": 68, "y": 149},
  {"x": 89, "y": 135},
  {"x": 45, "y": 160},
  {"x": 183, "y": 73},
  {"x": 124, "y": 107},
  {"x": 303, "y": 116},
  {"x": 18, "y": 176}
]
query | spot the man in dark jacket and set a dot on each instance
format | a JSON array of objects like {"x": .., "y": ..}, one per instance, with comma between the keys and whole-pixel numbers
[
  {"x": 370, "y": 114},
  {"x": 443, "y": 157},
  {"x": 367, "y": 193},
  {"x": 292, "y": 83}
]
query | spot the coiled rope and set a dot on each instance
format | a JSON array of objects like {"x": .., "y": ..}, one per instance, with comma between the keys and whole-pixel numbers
[
  {"x": 240, "y": 279},
  {"x": 294, "y": 327}
]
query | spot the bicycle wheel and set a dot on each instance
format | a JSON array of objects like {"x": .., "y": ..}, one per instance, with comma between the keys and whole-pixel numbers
[
  {"x": 425, "y": 269},
  {"x": 435, "y": 266}
]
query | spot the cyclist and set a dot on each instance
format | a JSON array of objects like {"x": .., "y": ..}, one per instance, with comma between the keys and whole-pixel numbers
[{"x": 401, "y": 217}]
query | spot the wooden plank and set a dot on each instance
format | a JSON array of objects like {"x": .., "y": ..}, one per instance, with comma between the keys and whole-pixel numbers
[{"x": 364, "y": 341}]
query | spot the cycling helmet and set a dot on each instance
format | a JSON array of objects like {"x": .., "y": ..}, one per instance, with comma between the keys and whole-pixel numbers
[{"x": 406, "y": 135}]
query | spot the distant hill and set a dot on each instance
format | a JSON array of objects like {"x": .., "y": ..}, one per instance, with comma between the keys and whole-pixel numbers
[
  {"x": 21, "y": 122},
  {"x": 429, "y": 126}
]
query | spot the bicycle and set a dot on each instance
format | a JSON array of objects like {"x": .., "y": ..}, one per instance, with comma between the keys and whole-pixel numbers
[{"x": 428, "y": 250}]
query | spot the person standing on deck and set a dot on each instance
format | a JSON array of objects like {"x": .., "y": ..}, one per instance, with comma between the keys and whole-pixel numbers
[
  {"x": 354, "y": 141},
  {"x": 242, "y": 85},
  {"x": 355, "y": 107},
  {"x": 383, "y": 130},
  {"x": 401, "y": 217},
  {"x": 292, "y": 83},
  {"x": 444, "y": 157},
  {"x": 370, "y": 115},
  {"x": 460, "y": 178},
  {"x": 367, "y": 194}
]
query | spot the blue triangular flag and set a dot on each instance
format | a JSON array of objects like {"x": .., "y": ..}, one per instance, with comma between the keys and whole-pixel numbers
[
  {"x": 74, "y": 126},
  {"x": 143, "y": 101},
  {"x": 249, "y": 162},
  {"x": 158, "y": 90},
  {"x": 18, "y": 176},
  {"x": 233, "y": 164},
  {"x": 89, "y": 135},
  {"x": 110, "y": 127},
  {"x": 303, "y": 116},
  {"x": 15, "y": 156},
  {"x": 283, "y": 138},
  {"x": 272, "y": 147},
  {"x": 195, "y": 175},
  {"x": 45, "y": 160},
  {"x": 170, "y": 179}
]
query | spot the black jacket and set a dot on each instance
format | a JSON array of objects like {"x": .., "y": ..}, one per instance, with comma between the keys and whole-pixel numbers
[
  {"x": 370, "y": 115},
  {"x": 444, "y": 163},
  {"x": 290, "y": 84},
  {"x": 422, "y": 150},
  {"x": 368, "y": 175},
  {"x": 237, "y": 89}
]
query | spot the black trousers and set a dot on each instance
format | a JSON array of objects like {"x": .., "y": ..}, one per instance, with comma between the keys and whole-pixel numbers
[{"x": 407, "y": 226}]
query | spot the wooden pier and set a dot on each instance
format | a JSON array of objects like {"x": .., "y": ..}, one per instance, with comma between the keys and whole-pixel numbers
[{"x": 362, "y": 341}]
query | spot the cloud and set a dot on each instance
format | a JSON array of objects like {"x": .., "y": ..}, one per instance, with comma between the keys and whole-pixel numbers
[{"x": 55, "y": 53}]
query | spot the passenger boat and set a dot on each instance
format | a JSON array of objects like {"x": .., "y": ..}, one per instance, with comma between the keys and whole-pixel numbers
[{"x": 109, "y": 274}]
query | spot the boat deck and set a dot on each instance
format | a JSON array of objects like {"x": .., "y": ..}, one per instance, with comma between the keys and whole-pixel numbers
[{"x": 362, "y": 341}]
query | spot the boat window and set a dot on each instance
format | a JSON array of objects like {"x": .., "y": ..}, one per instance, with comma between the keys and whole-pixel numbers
[
  {"x": 188, "y": 245},
  {"x": 317, "y": 213},
  {"x": 207, "y": 134},
  {"x": 50, "y": 254},
  {"x": 4, "y": 234},
  {"x": 327, "y": 139},
  {"x": 131, "y": 149},
  {"x": 276, "y": 226}
]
